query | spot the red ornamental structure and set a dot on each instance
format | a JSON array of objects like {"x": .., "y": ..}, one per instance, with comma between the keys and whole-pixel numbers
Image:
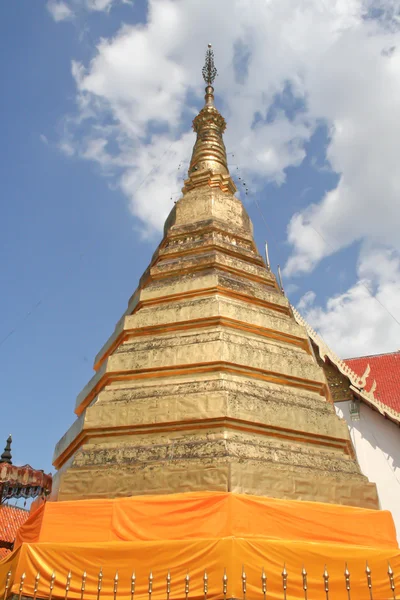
[
  {"x": 21, "y": 482},
  {"x": 17, "y": 482}
]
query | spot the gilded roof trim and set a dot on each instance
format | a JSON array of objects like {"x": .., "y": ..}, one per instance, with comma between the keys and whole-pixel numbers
[{"x": 357, "y": 384}]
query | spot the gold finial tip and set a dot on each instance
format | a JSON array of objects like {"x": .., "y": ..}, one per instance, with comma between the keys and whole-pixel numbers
[
  {"x": 209, "y": 45},
  {"x": 209, "y": 71}
]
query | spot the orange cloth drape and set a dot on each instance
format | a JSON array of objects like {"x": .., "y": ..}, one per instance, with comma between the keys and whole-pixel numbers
[
  {"x": 197, "y": 531},
  {"x": 206, "y": 515},
  {"x": 181, "y": 556}
]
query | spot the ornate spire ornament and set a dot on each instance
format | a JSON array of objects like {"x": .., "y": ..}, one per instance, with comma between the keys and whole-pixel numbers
[
  {"x": 208, "y": 165},
  {"x": 6, "y": 456},
  {"x": 209, "y": 70}
]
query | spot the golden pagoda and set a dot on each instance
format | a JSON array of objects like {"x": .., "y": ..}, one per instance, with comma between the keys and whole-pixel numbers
[
  {"x": 208, "y": 382},
  {"x": 206, "y": 450}
]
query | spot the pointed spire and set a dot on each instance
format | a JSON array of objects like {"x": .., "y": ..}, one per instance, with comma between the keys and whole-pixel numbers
[
  {"x": 209, "y": 74},
  {"x": 6, "y": 456},
  {"x": 209, "y": 160}
]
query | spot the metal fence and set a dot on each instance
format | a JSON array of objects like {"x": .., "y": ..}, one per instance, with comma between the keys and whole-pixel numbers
[{"x": 182, "y": 589}]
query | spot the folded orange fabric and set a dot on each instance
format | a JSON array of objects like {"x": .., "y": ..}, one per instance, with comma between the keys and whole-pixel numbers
[
  {"x": 194, "y": 556},
  {"x": 206, "y": 515}
]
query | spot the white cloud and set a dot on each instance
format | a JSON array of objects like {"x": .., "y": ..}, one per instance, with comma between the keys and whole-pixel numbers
[
  {"x": 60, "y": 11},
  {"x": 99, "y": 5},
  {"x": 321, "y": 53},
  {"x": 355, "y": 89},
  {"x": 291, "y": 288},
  {"x": 140, "y": 79},
  {"x": 365, "y": 319},
  {"x": 136, "y": 96},
  {"x": 306, "y": 301}
]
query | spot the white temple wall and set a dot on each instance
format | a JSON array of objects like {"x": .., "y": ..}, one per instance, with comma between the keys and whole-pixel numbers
[{"x": 377, "y": 444}]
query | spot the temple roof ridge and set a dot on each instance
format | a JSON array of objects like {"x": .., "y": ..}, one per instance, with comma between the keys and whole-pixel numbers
[
  {"x": 372, "y": 355},
  {"x": 357, "y": 383}
]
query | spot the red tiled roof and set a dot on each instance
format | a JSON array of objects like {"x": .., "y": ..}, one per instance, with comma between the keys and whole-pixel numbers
[
  {"x": 11, "y": 518},
  {"x": 385, "y": 370}
]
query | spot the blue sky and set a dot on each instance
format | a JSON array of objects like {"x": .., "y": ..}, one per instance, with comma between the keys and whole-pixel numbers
[{"x": 96, "y": 107}]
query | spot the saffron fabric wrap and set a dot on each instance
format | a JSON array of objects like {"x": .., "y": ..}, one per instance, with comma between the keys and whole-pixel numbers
[{"x": 197, "y": 531}]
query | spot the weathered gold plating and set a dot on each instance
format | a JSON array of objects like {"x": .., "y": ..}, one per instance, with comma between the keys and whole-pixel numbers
[{"x": 208, "y": 333}]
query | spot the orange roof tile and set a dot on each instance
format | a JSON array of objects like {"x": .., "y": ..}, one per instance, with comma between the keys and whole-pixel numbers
[
  {"x": 385, "y": 370},
  {"x": 11, "y": 518}
]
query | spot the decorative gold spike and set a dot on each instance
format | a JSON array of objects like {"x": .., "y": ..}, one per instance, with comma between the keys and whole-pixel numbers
[
  {"x": 99, "y": 583},
  {"x": 347, "y": 580},
  {"x": 67, "y": 584},
  {"x": 133, "y": 584},
  {"x": 369, "y": 580},
  {"x": 36, "y": 586},
  {"x": 115, "y": 588},
  {"x": 264, "y": 583},
  {"x": 244, "y": 583},
  {"x": 284, "y": 581},
  {"x": 187, "y": 583},
  {"x": 305, "y": 587},
  {"x": 150, "y": 588},
  {"x": 205, "y": 585},
  {"x": 83, "y": 584},
  {"x": 7, "y": 585},
  {"x": 391, "y": 581},
  {"x": 52, "y": 580},
  {"x": 21, "y": 585},
  {"x": 280, "y": 280},
  {"x": 225, "y": 584},
  {"x": 267, "y": 257},
  {"x": 168, "y": 584},
  {"x": 326, "y": 582}
]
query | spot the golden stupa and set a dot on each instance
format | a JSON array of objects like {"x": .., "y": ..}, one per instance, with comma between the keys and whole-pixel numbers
[
  {"x": 208, "y": 382},
  {"x": 207, "y": 460}
]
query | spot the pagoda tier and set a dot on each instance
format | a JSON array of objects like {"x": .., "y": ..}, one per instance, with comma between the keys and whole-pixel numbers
[{"x": 208, "y": 383}]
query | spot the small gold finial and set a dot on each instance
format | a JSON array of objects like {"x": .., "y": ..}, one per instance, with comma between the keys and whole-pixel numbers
[
  {"x": 326, "y": 581},
  {"x": 115, "y": 589},
  {"x": 244, "y": 583},
  {"x": 168, "y": 584},
  {"x": 225, "y": 584},
  {"x": 391, "y": 580},
  {"x": 304, "y": 576},
  {"x": 99, "y": 583},
  {"x": 21, "y": 585},
  {"x": 133, "y": 582},
  {"x": 52, "y": 580},
  {"x": 284, "y": 580},
  {"x": 187, "y": 583},
  {"x": 347, "y": 580},
  {"x": 36, "y": 586},
  {"x": 67, "y": 584},
  {"x": 369, "y": 579},
  {"x": 264, "y": 583},
  {"x": 83, "y": 584},
  {"x": 205, "y": 585},
  {"x": 7, "y": 584}
]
